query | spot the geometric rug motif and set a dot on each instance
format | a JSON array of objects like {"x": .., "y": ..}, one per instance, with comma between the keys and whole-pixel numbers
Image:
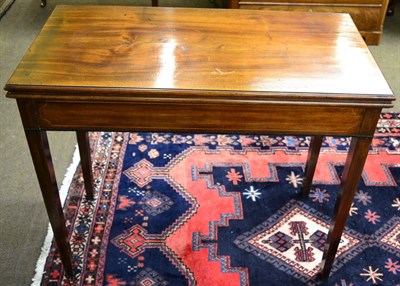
[
  {"x": 227, "y": 210},
  {"x": 155, "y": 203},
  {"x": 388, "y": 237},
  {"x": 293, "y": 240},
  {"x": 392, "y": 238}
]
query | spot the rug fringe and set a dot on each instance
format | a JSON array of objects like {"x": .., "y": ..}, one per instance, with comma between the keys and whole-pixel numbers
[{"x": 49, "y": 237}]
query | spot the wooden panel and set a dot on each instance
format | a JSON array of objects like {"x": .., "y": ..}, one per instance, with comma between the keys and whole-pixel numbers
[
  {"x": 329, "y": 2},
  {"x": 368, "y": 15},
  {"x": 365, "y": 18},
  {"x": 231, "y": 118},
  {"x": 198, "y": 49},
  {"x": 371, "y": 38}
]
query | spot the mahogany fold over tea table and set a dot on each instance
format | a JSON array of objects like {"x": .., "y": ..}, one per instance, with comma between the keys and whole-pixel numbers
[{"x": 198, "y": 70}]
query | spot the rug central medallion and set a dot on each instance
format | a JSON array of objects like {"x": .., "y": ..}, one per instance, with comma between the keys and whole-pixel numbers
[{"x": 296, "y": 237}]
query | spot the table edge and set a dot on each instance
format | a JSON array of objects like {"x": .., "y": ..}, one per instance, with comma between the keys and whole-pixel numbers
[{"x": 170, "y": 95}]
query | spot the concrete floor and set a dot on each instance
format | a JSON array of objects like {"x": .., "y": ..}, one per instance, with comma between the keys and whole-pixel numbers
[{"x": 23, "y": 219}]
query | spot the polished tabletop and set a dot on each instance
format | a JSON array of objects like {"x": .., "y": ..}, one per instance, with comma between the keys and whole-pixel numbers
[
  {"x": 197, "y": 70},
  {"x": 136, "y": 49}
]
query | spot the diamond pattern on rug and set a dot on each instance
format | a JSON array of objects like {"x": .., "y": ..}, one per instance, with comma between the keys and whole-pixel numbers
[
  {"x": 149, "y": 277},
  {"x": 388, "y": 236},
  {"x": 226, "y": 210},
  {"x": 295, "y": 237},
  {"x": 155, "y": 203}
]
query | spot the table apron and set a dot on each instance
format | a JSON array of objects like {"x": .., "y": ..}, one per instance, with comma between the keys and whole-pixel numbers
[{"x": 186, "y": 117}]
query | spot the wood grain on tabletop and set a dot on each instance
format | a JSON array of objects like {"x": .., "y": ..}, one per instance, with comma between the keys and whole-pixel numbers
[{"x": 139, "y": 48}]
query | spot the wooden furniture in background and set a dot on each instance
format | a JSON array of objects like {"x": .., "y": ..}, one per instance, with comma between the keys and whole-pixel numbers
[
  {"x": 368, "y": 15},
  {"x": 200, "y": 70},
  {"x": 43, "y": 3}
]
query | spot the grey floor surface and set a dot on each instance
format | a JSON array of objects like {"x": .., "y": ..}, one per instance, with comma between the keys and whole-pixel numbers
[{"x": 23, "y": 219}]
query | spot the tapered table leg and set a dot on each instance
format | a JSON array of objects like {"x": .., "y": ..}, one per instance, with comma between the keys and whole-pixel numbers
[
  {"x": 356, "y": 157},
  {"x": 312, "y": 159},
  {"x": 40, "y": 152},
  {"x": 86, "y": 162},
  {"x": 154, "y": 3}
]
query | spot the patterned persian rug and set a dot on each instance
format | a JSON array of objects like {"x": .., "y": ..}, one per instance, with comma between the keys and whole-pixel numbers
[{"x": 185, "y": 209}]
